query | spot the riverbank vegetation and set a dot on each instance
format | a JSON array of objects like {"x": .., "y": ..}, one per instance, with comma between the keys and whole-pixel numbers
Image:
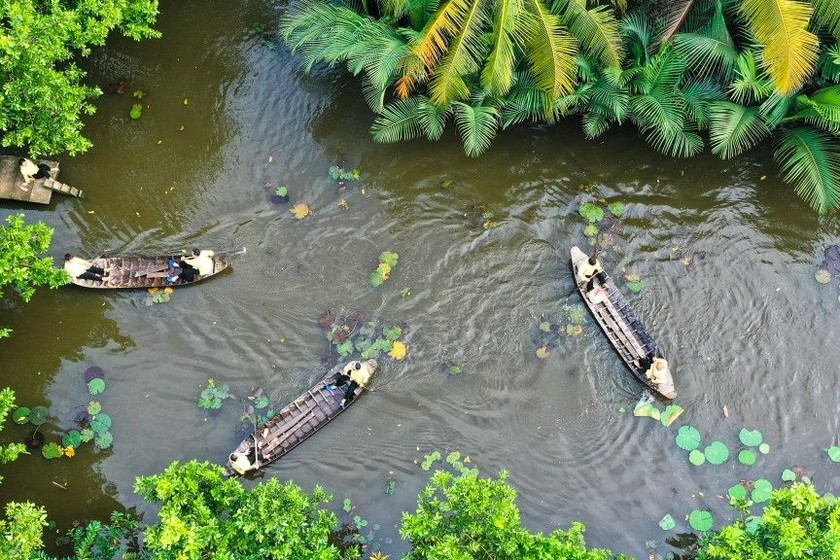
[
  {"x": 42, "y": 96},
  {"x": 725, "y": 75}
]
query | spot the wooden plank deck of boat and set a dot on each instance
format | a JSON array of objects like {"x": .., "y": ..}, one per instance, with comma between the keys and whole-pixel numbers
[{"x": 38, "y": 191}]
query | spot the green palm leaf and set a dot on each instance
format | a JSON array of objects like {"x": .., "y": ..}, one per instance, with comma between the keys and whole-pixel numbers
[
  {"x": 498, "y": 72},
  {"x": 710, "y": 49},
  {"x": 698, "y": 95},
  {"x": 400, "y": 120},
  {"x": 821, "y": 109},
  {"x": 827, "y": 15},
  {"x": 661, "y": 117},
  {"x": 639, "y": 34},
  {"x": 477, "y": 126},
  {"x": 464, "y": 52},
  {"x": 432, "y": 117},
  {"x": 750, "y": 83},
  {"x": 525, "y": 101},
  {"x": 550, "y": 50},
  {"x": 596, "y": 30},
  {"x": 810, "y": 160},
  {"x": 790, "y": 50},
  {"x": 735, "y": 128}
]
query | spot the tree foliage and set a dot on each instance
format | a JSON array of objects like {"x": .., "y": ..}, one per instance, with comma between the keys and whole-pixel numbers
[
  {"x": 22, "y": 266},
  {"x": 797, "y": 523},
  {"x": 42, "y": 97},
  {"x": 205, "y": 515}
]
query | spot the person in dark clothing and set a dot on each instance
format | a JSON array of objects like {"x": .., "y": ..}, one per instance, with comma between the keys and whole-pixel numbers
[
  {"x": 80, "y": 268},
  {"x": 592, "y": 270},
  {"x": 355, "y": 374},
  {"x": 187, "y": 274}
]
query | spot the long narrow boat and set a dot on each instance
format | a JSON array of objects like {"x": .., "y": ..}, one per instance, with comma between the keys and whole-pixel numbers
[
  {"x": 298, "y": 420},
  {"x": 149, "y": 272},
  {"x": 623, "y": 329}
]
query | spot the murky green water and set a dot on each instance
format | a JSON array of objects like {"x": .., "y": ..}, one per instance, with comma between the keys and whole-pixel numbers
[{"x": 745, "y": 327}]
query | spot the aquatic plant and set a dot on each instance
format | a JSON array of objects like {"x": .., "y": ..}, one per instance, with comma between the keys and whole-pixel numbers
[
  {"x": 212, "y": 396},
  {"x": 158, "y": 295},
  {"x": 700, "y": 520},
  {"x": 349, "y": 335},
  {"x": 387, "y": 261},
  {"x": 136, "y": 111},
  {"x": 300, "y": 210},
  {"x": 338, "y": 173},
  {"x": 281, "y": 195}
]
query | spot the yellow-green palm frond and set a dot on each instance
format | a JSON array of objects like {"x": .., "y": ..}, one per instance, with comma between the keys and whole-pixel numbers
[
  {"x": 596, "y": 30},
  {"x": 810, "y": 160},
  {"x": 412, "y": 72},
  {"x": 464, "y": 54},
  {"x": 446, "y": 23},
  {"x": 790, "y": 50},
  {"x": 827, "y": 15},
  {"x": 497, "y": 76},
  {"x": 550, "y": 50}
]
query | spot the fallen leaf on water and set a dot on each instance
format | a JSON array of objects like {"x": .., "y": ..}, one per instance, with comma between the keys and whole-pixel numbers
[
  {"x": 398, "y": 350},
  {"x": 542, "y": 352},
  {"x": 300, "y": 210},
  {"x": 343, "y": 203},
  {"x": 725, "y": 411},
  {"x": 137, "y": 214},
  {"x": 763, "y": 177}
]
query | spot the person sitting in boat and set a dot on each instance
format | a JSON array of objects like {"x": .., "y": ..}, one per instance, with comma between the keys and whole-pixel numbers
[
  {"x": 589, "y": 271},
  {"x": 31, "y": 171},
  {"x": 80, "y": 268},
  {"x": 240, "y": 463},
  {"x": 355, "y": 374},
  {"x": 187, "y": 274},
  {"x": 657, "y": 369},
  {"x": 202, "y": 260}
]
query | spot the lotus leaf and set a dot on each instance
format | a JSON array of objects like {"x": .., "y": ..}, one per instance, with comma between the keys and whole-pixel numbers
[
  {"x": 261, "y": 402},
  {"x": 52, "y": 451},
  {"x": 389, "y": 258},
  {"x": 806, "y": 480},
  {"x": 700, "y": 520},
  {"x": 545, "y": 326},
  {"x": 362, "y": 343},
  {"x": 345, "y": 348},
  {"x": 753, "y": 524},
  {"x": 591, "y": 212},
  {"x": 542, "y": 352},
  {"x": 574, "y": 330},
  {"x": 833, "y": 451},
  {"x": 69, "y": 451},
  {"x": 72, "y": 439},
  {"x": 96, "y": 386},
  {"x": 616, "y": 209},
  {"x": 370, "y": 353},
  {"x": 300, "y": 210},
  {"x": 101, "y": 424},
  {"x": 576, "y": 314},
  {"x": 647, "y": 409},
  {"x": 737, "y": 492},
  {"x": 636, "y": 286},
  {"x": 378, "y": 276},
  {"x": 670, "y": 414},
  {"x": 750, "y": 437},
  {"x": 136, "y": 111},
  {"x": 103, "y": 440},
  {"x": 398, "y": 350},
  {"x": 392, "y": 333},
  {"x": 764, "y": 448},
  {"x": 717, "y": 453},
  {"x": 38, "y": 415},
  {"x": 94, "y": 408},
  {"x": 455, "y": 369},
  {"x": 87, "y": 435},
  {"x": 454, "y": 456},
  {"x": 383, "y": 344},
  {"x": 93, "y": 372},
  {"x": 21, "y": 415},
  {"x": 823, "y": 276},
  {"x": 788, "y": 475},
  {"x": 762, "y": 488},
  {"x": 688, "y": 438},
  {"x": 746, "y": 457},
  {"x": 390, "y": 487},
  {"x": 347, "y": 505},
  {"x": 696, "y": 457},
  {"x": 591, "y": 230},
  {"x": 430, "y": 459},
  {"x": 667, "y": 523}
]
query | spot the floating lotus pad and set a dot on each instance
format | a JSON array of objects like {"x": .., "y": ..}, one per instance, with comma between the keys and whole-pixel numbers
[
  {"x": 38, "y": 415},
  {"x": 737, "y": 492},
  {"x": 591, "y": 212},
  {"x": 52, "y": 451},
  {"x": 753, "y": 524},
  {"x": 261, "y": 402},
  {"x": 822, "y": 276},
  {"x": 717, "y": 453},
  {"x": 616, "y": 209},
  {"x": 101, "y": 424},
  {"x": 833, "y": 452},
  {"x": 87, "y": 435},
  {"x": 700, "y": 520},
  {"x": 545, "y": 326},
  {"x": 696, "y": 457},
  {"x": 667, "y": 523},
  {"x": 21, "y": 415},
  {"x": 647, "y": 409},
  {"x": 764, "y": 448},
  {"x": 750, "y": 438},
  {"x": 762, "y": 489},
  {"x": 688, "y": 438},
  {"x": 94, "y": 408},
  {"x": 746, "y": 457},
  {"x": 670, "y": 414},
  {"x": 103, "y": 440},
  {"x": 788, "y": 475},
  {"x": 96, "y": 386},
  {"x": 72, "y": 438},
  {"x": 591, "y": 230}
]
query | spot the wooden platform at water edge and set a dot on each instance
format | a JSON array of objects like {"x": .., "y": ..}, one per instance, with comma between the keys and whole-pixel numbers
[{"x": 38, "y": 191}]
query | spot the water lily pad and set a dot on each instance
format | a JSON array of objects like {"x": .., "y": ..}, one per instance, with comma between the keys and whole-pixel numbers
[
  {"x": 700, "y": 520},
  {"x": 750, "y": 437},
  {"x": 542, "y": 352},
  {"x": 576, "y": 314},
  {"x": 696, "y": 457},
  {"x": 788, "y": 475},
  {"x": 806, "y": 480},
  {"x": 136, "y": 111},
  {"x": 345, "y": 348},
  {"x": 38, "y": 415},
  {"x": 392, "y": 333},
  {"x": 636, "y": 286},
  {"x": 737, "y": 492},
  {"x": 261, "y": 402},
  {"x": 21, "y": 415},
  {"x": 93, "y": 372},
  {"x": 764, "y": 448},
  {"x": 833, "y": 451},
  {"x": 616, "y": 209},
  {"x": 87, "y": 435},
  {"x": 545, "y": 326},
  {"x": 103, "y": 440},
  {"x": 670, "y": 414},
  {"x": 746, "y": 457},
  {"x": 717, "y": 453},
  {"x": 762, "y": 488},
  {"x": 96, "y": 386},
  {"x": 574, "y": 330},
  {"x": 94, "y": 408},
  {"x": 591, "y": 230},
  {"x": 753, "y": 524},
  {"x": 591, "y": 212},
  {"x": 389, "y": 258},
  {"x": 688, "y": 438},
  {"x": 101, "y": 424},
  {"x": 647, "y": 409},
  {"x": 52, "y": 450},
  {"x": 72, "y": 439},
  {"x": 822, "y": 276},
  {"x": 667, "y": 523},
  {"x": 347, "y": 505},
  {"x": 453, "y": 457}
]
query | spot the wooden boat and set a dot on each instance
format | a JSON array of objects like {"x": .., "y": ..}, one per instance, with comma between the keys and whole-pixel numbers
[
  {"x": 298, "y": 420},
  {"x": 148, "y": 272},
  {"x": 623, "y": 328}
]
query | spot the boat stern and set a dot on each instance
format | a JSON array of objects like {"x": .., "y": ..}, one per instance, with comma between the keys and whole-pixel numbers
[
  {"x": 666, "y": 386},
  {"x": 240, "y": 461}
]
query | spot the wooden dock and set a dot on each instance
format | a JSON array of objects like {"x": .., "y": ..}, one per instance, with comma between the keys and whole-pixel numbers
[{"x": 38, "y": 191}]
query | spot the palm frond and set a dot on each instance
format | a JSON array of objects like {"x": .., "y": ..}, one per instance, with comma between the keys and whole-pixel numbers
[
  {"x": 432, "y": 117},
  {"x": 776, "y": 107},
  {"x": 810, "y": 160},
  {"x": 661, "y": 117},
  {"x": 790, "y": 50},
  {"x": 446, "y": 23},
  {"x": 477, "y": 125},
  {"x": 464, "y": 52},
  {"x": 525, "y": 101},
  {"x": 828, "y": 66},
  {"x": 665, "y": 71},
  {"x": 821, "y": 109},
  {"x": 676, "y": 13},
  {"x": 596, "y": 30},
  {"x": 398, "y": 121},
  {"x": 594, "y": 124},
  {"x": 750, "y": 83},
  {"x": 550, "y": 50},
  {"x": 497, "y": 74},
  {"x": 698, "y": 95},
  {"x": 639, "y": 34},
  {"x": 709, "y": 50},
  {"x": 421, "y": 11},
  {"x": 734, "y": 128},
  {"x": 827, "y": 15}
]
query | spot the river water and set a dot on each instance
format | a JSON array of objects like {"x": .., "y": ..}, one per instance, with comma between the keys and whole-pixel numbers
[{"x": 228, "y": 116}]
